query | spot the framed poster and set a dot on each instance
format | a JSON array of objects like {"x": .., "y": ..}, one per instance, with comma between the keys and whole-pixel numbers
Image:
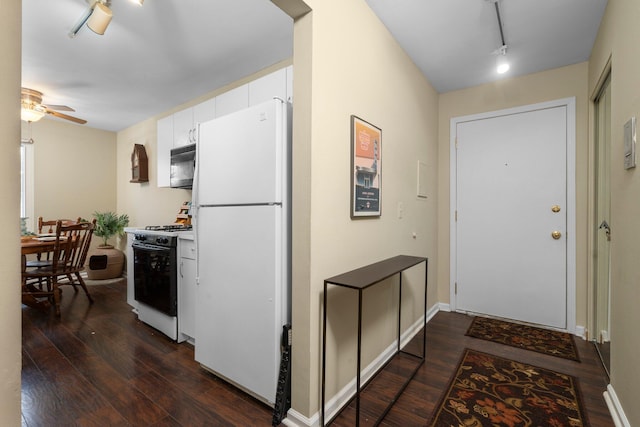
[{"x": 366, "y": 140}]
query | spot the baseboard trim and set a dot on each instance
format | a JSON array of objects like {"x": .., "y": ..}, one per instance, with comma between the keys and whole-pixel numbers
[
  {"x": 615, "y": 408},
  {"x": 333, "y": 405}
]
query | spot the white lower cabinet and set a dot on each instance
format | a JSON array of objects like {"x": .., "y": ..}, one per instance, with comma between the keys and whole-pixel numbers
[{"x": 186, "y": 290}]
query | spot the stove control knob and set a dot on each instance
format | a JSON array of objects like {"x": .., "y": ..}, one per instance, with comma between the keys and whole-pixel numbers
[
  {"x": 163, "y": 240},
  {"x": 141, "y": 237}
]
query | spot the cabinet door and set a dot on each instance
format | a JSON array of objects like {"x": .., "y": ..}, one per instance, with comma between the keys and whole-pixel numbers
[
  {"x": 234, "y": 100},
  {"x": 187, "y": 297},
  {"x": 164, "y": 143},
  {"x": 289, "y": 71},
  {"x": 183, "y": 128},
  {"x": 203, "y": 112},
  {"x": 267, "y": 87}
]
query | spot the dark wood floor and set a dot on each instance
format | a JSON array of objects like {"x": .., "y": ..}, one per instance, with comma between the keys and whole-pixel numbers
[
  {"x": 446, "y": 342},
  {"x": 98, "y": 365}
]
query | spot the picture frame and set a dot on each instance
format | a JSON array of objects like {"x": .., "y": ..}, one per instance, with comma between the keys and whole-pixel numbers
[{"x": 366, "y": 168}]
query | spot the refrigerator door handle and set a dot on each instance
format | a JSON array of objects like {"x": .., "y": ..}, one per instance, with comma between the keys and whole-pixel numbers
[{"x": 234, "y": 205}]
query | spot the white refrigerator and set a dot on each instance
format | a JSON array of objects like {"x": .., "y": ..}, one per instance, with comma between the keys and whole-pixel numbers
[{"x": 242, "y": 223}]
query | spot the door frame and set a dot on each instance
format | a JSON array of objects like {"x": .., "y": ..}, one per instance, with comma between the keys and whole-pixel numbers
[
  {"x": 592, "y": 332},
  {"x": 570, "y": 104}
]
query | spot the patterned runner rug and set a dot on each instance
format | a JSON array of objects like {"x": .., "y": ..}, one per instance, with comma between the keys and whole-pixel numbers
[
  {"x": 492, "y": 391},
  {"x": 544, "y": 341}
]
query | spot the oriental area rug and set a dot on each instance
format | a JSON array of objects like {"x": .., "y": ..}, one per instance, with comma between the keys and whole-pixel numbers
[
  {"x": 492, "y": 391},
  {"x": 554, "y": 343}
]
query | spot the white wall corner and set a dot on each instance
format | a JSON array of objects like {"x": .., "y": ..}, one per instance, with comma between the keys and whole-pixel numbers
[
  {"x": 615, "y": 408},
  {"x": 580, "y": 332}
]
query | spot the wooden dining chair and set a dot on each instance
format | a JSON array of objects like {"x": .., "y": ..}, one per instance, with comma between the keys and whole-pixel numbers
[
  {"x": 46, "y": 227},
  {"x": 67, "y": 261},
  {"x": 82, "y": 232}
]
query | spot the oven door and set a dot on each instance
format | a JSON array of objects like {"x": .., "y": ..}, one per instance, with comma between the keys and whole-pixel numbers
[{"x": 155, "y": 277}]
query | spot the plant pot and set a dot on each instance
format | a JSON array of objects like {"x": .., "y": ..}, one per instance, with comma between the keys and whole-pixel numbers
[{"x": 105, "y": 262}]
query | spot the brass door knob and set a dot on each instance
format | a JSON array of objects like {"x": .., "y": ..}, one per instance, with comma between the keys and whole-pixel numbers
[
  {"x": 556, "y": 235},
  {"x": 555, "y": 208}
]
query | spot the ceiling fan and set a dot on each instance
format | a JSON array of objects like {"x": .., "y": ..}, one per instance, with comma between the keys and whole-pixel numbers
[{"x": 32, "y": 109}]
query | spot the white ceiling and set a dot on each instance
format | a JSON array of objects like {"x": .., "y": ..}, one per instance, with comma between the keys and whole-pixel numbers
[
  {"x": 165, "y": 53},
  {"x": 452, "y": 41}
]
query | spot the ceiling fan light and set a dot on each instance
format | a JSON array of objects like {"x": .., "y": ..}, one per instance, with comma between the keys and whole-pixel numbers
[
  {"x": 100, "y": 18},
  {"x": 31, "y": 113}
]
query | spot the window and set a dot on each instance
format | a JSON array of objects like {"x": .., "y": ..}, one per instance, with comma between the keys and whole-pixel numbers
[{"x": 26, "y": 185}]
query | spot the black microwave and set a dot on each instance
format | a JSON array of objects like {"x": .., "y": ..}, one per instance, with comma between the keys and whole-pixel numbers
[{"x": 183, "y": 166}]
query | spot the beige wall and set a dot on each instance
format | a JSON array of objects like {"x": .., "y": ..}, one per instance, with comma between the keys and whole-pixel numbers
[
  {"x": 345, "y": 66},
  {"x": 559, "y": 83},
  {"x": 74, "y": 169},
  {"x": 618, "y": 39},
  {"x": 10, "y": 356}
]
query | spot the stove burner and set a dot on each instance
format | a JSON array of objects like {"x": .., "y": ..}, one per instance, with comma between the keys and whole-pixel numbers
[{"x": 171, "y": 227}]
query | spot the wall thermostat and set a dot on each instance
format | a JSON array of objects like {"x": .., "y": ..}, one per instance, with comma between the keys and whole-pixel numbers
[{"x": 630, "y": 143}]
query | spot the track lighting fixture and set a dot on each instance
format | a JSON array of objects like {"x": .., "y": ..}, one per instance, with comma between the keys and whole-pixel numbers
[
  {"x": 502, "y": 65},
  {"x": 97, "y": 16},
  {"x": 100, "y": 18}
]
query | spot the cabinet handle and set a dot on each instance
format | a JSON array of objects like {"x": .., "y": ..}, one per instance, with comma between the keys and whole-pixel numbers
[
  {"x": 181, "y": 264},
  {"x": 190, "y": 138}
]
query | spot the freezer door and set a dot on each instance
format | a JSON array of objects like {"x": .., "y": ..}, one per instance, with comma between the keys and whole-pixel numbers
[
  {"x": 239, "y": 312},
  {"x": 241, "y": 156}
]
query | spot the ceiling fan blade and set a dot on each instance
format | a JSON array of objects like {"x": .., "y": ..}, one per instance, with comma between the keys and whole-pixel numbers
[
  {"x": 65, "y": 116},
  {"x": 58, "y": 107}
]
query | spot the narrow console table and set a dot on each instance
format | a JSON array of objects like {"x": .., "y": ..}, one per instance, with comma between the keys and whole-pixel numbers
[{"x": 361, "y": 279}]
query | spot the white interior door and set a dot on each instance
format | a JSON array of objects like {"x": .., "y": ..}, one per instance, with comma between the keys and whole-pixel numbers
[{"x": 511, "y": 206}]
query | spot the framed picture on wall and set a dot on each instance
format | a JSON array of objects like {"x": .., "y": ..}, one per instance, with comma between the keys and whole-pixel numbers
[{"x": 366, "y": 144}]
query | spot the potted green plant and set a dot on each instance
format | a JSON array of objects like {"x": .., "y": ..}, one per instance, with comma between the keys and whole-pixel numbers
[
  {"x": 106, "y": 261},
  {"x": 108, "y": 224}
]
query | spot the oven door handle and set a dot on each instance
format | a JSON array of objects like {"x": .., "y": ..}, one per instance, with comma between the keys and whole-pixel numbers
[{"x": 148, "y": 247}]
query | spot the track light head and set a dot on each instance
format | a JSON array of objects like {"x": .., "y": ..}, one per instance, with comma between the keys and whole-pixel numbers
[{"x": 502, "y": 65}]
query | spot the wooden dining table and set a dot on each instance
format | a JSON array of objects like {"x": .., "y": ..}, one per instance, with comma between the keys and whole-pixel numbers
[{"x": 29, "y": 246}]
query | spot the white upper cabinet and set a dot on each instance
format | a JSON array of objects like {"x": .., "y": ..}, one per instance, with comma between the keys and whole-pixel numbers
[
  {"x": 181, "y": 128},
  {"x": 268, "y": 87},
  {"x": 234, "y": 100},
  {"x": 163, "y": 151},
  {"x": 185, "y": 122},
  {"x": 289, "y": 71},
  {"x": 203, "y": 112}
]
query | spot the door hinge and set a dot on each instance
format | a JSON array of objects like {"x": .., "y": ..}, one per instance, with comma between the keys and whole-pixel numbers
[
  {"x": 455, "y": 288},
  {"x": 456, "y": 215}
]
